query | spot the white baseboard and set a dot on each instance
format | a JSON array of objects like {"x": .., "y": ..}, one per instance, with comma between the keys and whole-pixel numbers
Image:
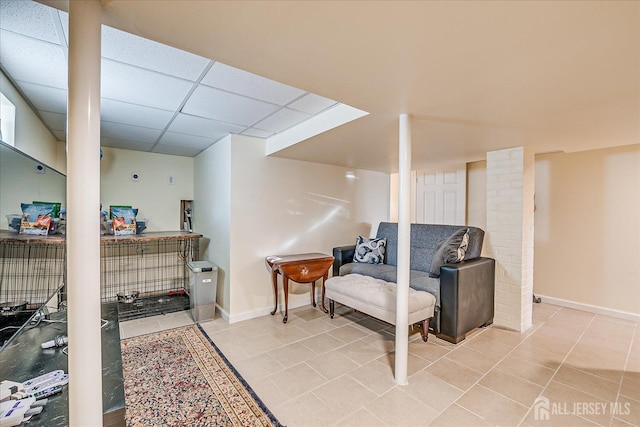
[
  {"x": 634, "y": 317},
  {"x": 293, "y": 303},
  {"x": 263, "y": 311},
  {"x": 546, "y": 299},
  {"x": 223, "y": 313}
]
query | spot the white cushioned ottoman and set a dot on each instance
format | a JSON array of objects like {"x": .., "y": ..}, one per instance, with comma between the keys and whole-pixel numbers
[{"x": 377, "y": 298}]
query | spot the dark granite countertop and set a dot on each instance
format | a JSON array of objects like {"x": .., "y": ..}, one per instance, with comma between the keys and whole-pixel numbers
[{"x": 23, "y": 358}]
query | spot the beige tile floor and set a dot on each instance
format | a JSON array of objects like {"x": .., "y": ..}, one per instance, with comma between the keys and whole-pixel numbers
[{"x": 582, "y": 369}]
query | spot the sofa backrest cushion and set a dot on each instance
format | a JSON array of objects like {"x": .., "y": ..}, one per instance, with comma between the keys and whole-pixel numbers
[{"x": 424, "y": 242}]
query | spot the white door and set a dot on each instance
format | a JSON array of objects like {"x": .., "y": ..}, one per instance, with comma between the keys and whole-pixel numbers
[{"x": 441, "y": 196}]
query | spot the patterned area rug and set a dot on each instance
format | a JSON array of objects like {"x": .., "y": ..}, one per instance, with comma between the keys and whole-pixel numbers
[{"x": 180, "y": 378}]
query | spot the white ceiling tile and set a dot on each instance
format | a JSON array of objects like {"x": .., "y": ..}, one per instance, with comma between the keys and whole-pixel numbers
[
  {"x": 125, "y": 144},
  {"x": 33, "y": 60},
  {"x": 282, "y": 120},
  {"x": 132, "y": 49},
  {"x": 64, "y": 20},
  {"x": 133, "y": 114},
  {"x": 199, "y": 126},
  {"x": 226, "y": 107},
  {"x": 60, "y": 135},
  {"x": 182, "y": 140},
  {"x": 44, "y": 97},
  {"x": 143, "y": 85},
  {"x": 127, "y": 83},
  {"x": 135, "y": 133},
  {"x": 176, "y": 151},
  {"x": 311, "y": 103},
  {"x": 259, "y": 133},
  {"x": 234, "y": 80},
  {"x": 28, "y": 18},
  {"x": 54, "y": 121}
]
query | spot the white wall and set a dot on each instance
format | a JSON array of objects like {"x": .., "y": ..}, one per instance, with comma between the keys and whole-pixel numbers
[
  {"x": 155, "y": 199},
  {"x": 31, "y": 135},
  {"x": 587, "y": 233},
  {"x": 281, "y": 206},
  {"x": 586, "y": 225},
  {"x": 477, "y": 194},
  {"x": 212, "y": 213}
]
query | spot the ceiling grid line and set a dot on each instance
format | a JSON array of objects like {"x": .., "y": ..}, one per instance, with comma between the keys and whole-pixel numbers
[
  {"x": 184, "y": 101},
  {"x": 154, "y": 97}
]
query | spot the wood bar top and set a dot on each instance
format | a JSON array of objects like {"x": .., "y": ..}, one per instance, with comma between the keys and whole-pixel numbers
[
  {"x": 150, "y": 236},
  {"x": 60, "y": 239}
]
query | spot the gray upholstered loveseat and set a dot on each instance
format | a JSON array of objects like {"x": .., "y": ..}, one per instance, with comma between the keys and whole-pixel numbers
[{"x": 464, "y": 291}]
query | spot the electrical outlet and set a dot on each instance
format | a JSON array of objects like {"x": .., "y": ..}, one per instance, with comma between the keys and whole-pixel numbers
[{"x": 171, "y": 180}]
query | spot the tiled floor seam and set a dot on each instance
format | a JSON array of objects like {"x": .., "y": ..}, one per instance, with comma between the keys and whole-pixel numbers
[
  {"x": 427, "y": 362},
  {"x": 350, "y": 413},
  {"x": 460, "y": 345},
  {"x": 555, "y": 372},
  {"x": 494, "y": 367},
  {"x": 626, "y": 364},
  {"x": 339, "y": 422}
]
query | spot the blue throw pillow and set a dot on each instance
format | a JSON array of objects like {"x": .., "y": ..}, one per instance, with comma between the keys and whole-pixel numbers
[{"x": 370, "y": 251}]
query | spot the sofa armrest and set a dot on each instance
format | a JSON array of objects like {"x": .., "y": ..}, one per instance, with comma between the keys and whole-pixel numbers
[
  {"x": 466, "y": 296},
  {"x": 342, "y": 255}
]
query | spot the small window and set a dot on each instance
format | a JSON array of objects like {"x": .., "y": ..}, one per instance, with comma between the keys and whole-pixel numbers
[{"x": 7, "y": 120}]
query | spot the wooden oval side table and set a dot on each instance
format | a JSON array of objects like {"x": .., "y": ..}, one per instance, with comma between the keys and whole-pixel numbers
[{"x": 300, "y": 268}]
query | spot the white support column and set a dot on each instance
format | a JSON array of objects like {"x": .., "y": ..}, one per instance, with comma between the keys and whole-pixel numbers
[
  {"x": 510, "y": 189},
  {"x": 83, "y": 218},
  {"x": 404, "y": 237}
]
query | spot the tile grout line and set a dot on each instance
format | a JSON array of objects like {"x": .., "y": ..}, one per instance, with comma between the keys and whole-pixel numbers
[
  {"x": 555, "y": 371},
  {"x": 533, "y": 331},
  {"x": 362, "y": 329},
  {"x": 450, "y": 350},
  {"x": 357, "y": 323},
  {"x": 561, "y": 365},
  {"x": 626, "y": 364},
  {"x": 311, "y": 391},
  {"x": 490, "y": 370}
]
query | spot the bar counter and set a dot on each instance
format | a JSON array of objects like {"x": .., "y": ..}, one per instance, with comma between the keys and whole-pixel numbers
[
  {"x": 22, "y": 358},
  {"x": 148, "y": 264},
  {"x": 60, "y": 239}
]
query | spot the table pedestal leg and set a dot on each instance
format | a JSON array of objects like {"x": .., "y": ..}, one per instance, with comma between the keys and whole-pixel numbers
[
  {"x": 285, "y": 281},
  {"x": 324, "y": 279},
  {"x": 313, "y": 293},
  {"x": 274, "y": 278}
]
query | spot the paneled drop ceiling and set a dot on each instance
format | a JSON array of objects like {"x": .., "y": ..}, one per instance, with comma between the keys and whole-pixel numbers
[
  {"x": 154, "y": 98},
  {"x": 473, "y": 76}
]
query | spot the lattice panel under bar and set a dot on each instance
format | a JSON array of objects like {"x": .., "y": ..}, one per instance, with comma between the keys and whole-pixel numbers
[
  {"x": 145, "y": 269},
  {"x": 30, "y": 274}
]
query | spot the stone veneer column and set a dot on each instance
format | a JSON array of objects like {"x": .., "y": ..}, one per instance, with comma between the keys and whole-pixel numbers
[{"x": 509, "y": 236}]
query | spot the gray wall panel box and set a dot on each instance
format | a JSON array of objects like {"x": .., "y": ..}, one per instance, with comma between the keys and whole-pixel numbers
[{"x": 203, "y": 284}]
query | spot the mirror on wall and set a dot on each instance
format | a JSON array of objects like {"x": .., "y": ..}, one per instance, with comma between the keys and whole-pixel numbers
[{"x": 24, "y": 179}]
